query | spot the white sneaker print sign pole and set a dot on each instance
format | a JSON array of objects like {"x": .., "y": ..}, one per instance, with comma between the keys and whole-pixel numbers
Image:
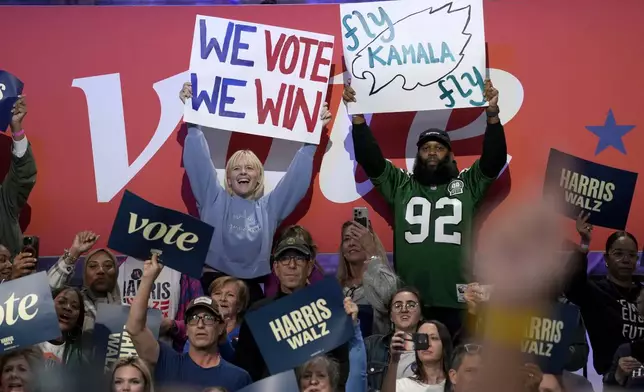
[
  {"x": 258, "y": 79},
  {"x": 414, "y": 55}
]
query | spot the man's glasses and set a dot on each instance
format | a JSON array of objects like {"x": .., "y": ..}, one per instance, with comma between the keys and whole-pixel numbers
[
  {"x": 207, "y": 319},
  {"x": 298, "y": 259},
  {"x": 409, "y": 305}
]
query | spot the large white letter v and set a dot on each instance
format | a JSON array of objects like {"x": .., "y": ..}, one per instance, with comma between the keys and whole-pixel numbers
[{"x": 107, "y": 129}]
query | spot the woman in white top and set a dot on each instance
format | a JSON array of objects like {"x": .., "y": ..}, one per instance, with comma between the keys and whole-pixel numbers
[
  {"x": 66, "y": 349},
  {"x": 432, "y": 365}
]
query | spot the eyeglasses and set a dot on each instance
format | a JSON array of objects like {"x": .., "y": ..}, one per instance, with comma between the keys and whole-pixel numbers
[
  {"x": 468, "y": 348},
  {"x": 298, "y": 259},
  {"x": 207, "y": 319},
  {"x": 409, "y": 305},
  {"x": 620, "y": 255},
  {"x": 472, "y": 348}
]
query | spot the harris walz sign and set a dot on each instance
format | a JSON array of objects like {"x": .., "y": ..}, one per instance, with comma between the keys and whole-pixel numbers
[{"x": 299, "y": 326}]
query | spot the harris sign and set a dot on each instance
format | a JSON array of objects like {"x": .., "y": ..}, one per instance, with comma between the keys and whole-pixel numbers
[{"x": 299, "y": 326}]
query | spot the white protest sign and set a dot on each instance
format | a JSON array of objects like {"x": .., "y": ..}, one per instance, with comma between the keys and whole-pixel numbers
[
  {"x": 414, "y": 55},
  {"x": 258, "y": 79}
]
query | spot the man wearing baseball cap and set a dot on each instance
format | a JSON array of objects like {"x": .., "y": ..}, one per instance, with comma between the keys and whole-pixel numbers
[
  {"x": 202, "y": 366},
  {"x": 292, "y": 265},
  {"x": 434, "y": 206}
]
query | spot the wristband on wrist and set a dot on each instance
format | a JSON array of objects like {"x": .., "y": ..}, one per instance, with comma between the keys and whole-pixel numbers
[
  {"x": 68, "y": 257},
  {"x": 18, "y": 134}
]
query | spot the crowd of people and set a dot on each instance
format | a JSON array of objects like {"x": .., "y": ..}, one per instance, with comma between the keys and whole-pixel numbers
[{"x": 434, "y": 292}]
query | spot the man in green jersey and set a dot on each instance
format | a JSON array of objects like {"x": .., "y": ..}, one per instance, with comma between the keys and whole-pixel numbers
[{"x": 434, "y": 207}]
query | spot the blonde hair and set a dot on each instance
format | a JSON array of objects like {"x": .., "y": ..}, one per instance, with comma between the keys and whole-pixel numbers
[
  {"x": 344, "y": 273},
  {"x": 138, "y": 364},
  {"x": 252, "y": 159},
  {"x": 242, "y": 290}
]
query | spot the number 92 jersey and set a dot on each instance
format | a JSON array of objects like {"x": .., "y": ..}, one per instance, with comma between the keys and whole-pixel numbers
[{"x": 432, "y": 230}]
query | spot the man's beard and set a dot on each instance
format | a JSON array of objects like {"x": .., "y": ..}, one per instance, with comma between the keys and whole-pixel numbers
[{"x": 440, "y": 174}]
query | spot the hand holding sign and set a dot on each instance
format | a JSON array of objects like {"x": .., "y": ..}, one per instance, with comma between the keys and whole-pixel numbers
[
  {"x": 491, "y": 96},
  {"x": 351, "y": 308},
  {"x": 584, "y": 228},
  {"x": 186, "y": 92},
  {"x": 18, "y": 113},
  {"x": 10, "y": 92},
  {"x": 152, "y": 268},
  {"x": 532, "y": 375}
]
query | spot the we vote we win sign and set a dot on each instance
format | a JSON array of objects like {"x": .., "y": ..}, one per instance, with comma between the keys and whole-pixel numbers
[{"x": 258, "y": 79}]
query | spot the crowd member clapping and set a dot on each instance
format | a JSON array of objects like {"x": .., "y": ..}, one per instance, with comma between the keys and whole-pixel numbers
[
  {"x": 292, "y": 264},
  {"x": 99, "y": 276},
  {"x": 203, "y": 365},
  {"x": 18, "y": 183},
  {"x": 608, "y": 305},
  {"x": 131, "y": 375},
  {"x": 19, "y": 369},
  {"x": 405, "y": 314},
  {"x": 272, "y": 286},
  {"x": 67, "y": 349},
  {"x": 365, "y": 274},
  {"x": 321, "y": 374},
  {"x": 231, "y": 295},
  {"x": 244, "y": 219},
  {"x": 431, "y": 366}
]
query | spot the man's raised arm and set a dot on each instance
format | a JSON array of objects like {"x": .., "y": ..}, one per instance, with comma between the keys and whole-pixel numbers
[
  {"x": 368, "y": 153},
  {"x": 20, "y": 179},
  {"x": 146, "y": 345}
]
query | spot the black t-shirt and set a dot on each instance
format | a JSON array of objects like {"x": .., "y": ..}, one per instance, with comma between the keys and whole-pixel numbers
[{"x": 609, "y": 312}]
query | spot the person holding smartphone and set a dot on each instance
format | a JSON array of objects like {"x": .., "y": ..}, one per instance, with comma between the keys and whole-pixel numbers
[{"x": 432, "y": 360}]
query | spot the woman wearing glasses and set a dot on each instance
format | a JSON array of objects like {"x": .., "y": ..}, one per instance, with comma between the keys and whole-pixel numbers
[
  {"x": 608, "y": 305},
  {"x": 404, "y": 313}
]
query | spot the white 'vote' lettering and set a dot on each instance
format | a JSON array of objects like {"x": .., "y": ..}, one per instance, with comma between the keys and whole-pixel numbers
[
  {"x": 153, "y": 231},
  {"x": 2, "y": 88},
  {"x": 337, "y": 180},
  {"x": 7, "y": 312}
]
